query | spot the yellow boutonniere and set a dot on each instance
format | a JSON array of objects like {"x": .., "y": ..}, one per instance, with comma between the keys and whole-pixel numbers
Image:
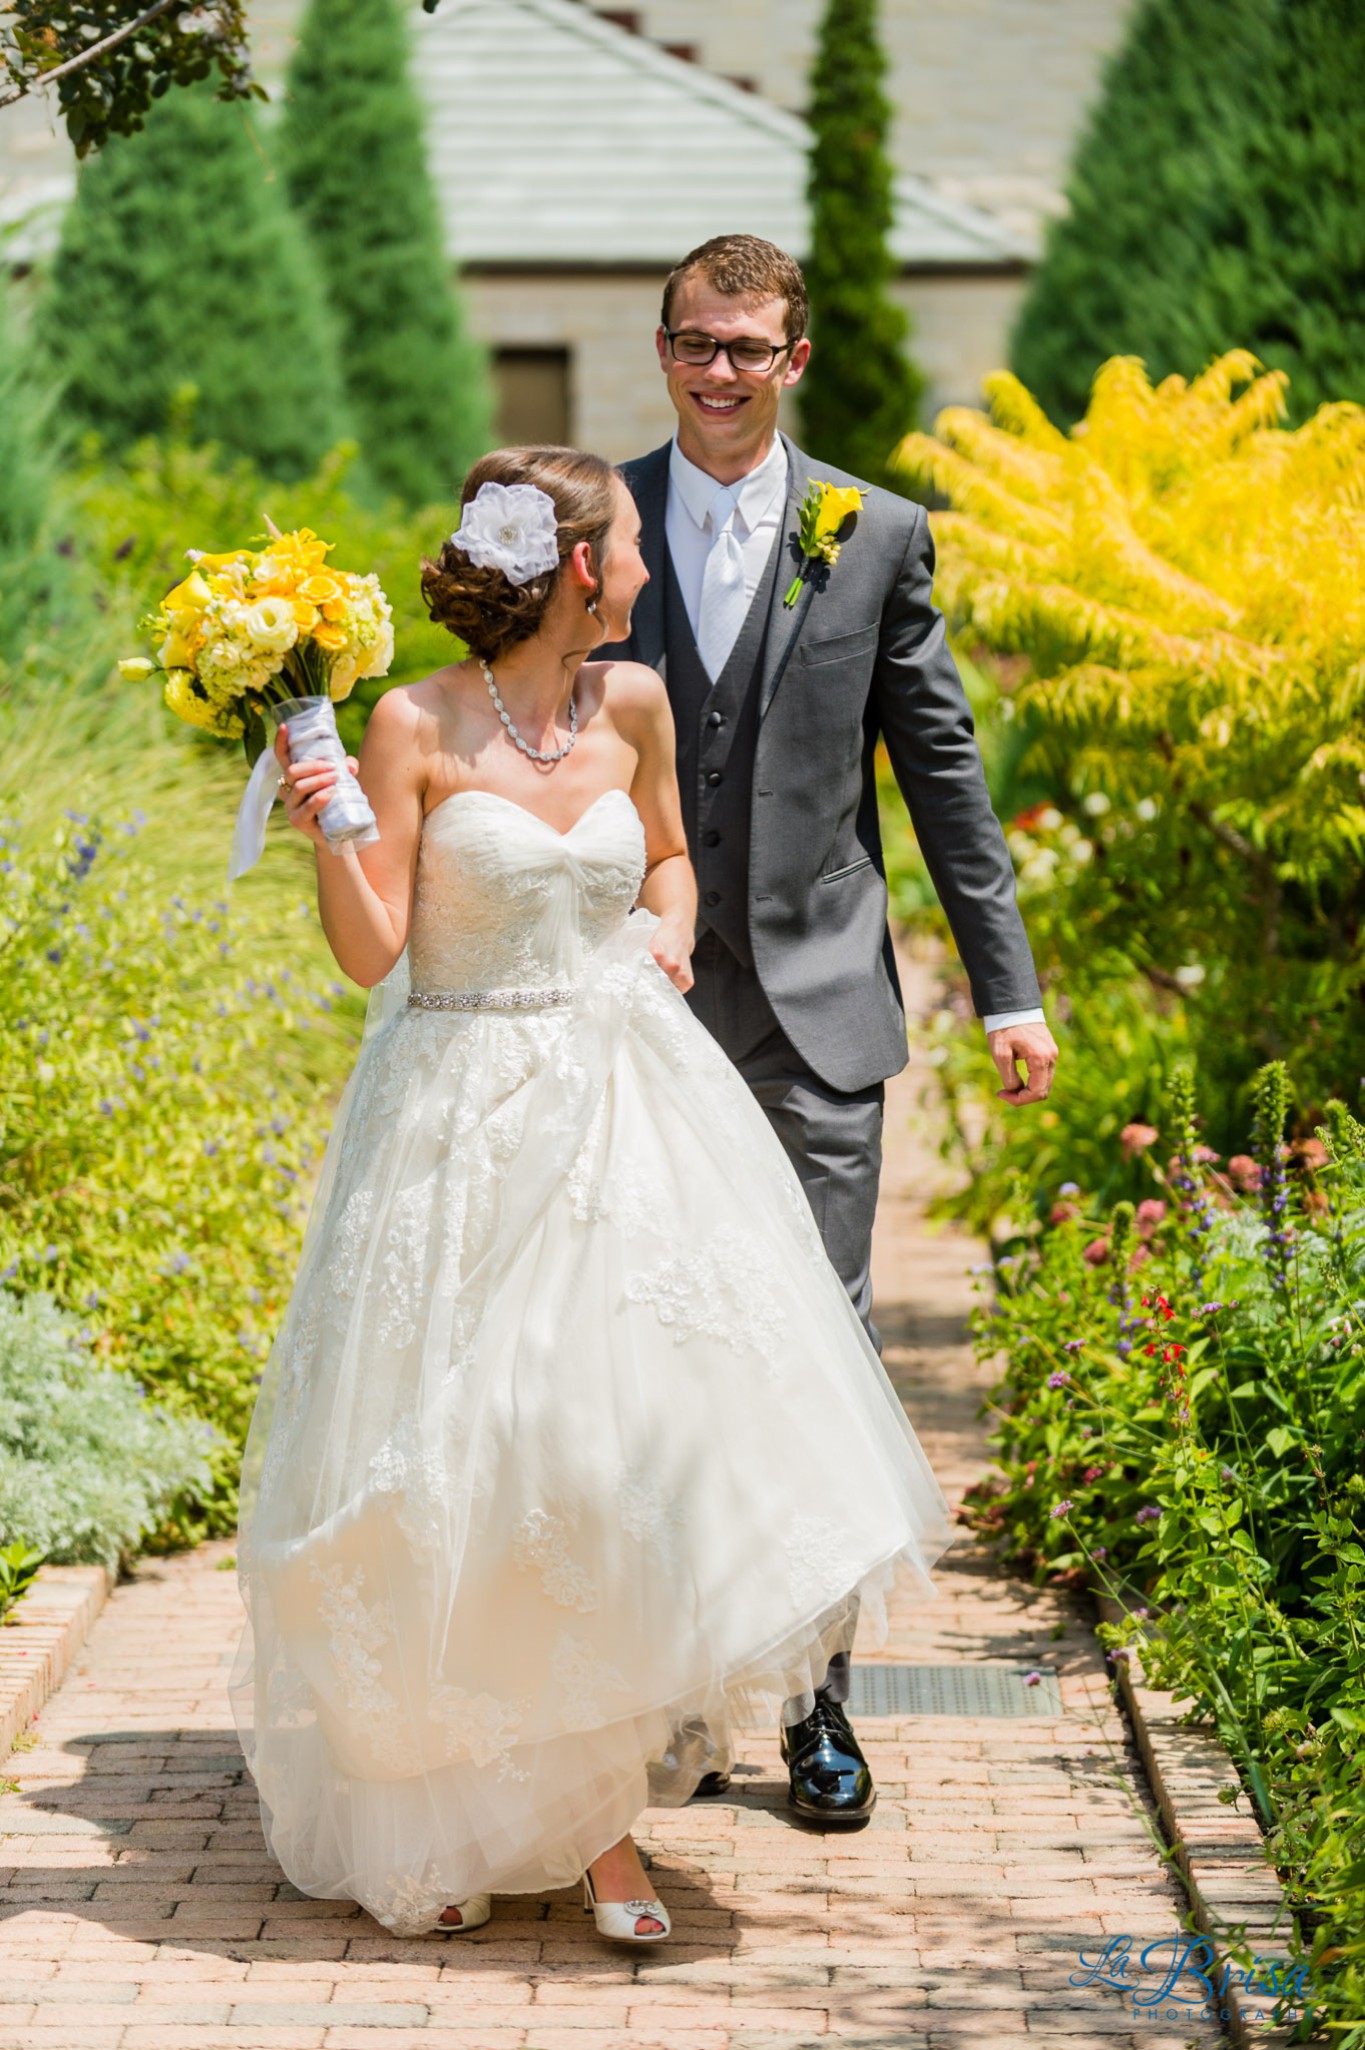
[{"x": 823, "y": 512}]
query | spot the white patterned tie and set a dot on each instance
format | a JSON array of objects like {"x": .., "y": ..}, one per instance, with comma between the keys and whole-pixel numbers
[{"x": 723, "y": 603}]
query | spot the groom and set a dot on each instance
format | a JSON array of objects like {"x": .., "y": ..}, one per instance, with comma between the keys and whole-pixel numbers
[{"x": 778, "y": 711}]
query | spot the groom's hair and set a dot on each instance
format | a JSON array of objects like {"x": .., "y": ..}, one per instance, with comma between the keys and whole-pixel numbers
[{"x": 745, "y": 266}]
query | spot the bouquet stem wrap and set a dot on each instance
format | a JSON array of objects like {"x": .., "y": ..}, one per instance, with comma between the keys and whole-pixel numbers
[{"x": 310, "y": 726}]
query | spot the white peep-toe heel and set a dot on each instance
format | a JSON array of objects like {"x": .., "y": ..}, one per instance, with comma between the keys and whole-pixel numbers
[
  {"x": 475, "y": 1910},
  {"x": 617, "y": 1919}
]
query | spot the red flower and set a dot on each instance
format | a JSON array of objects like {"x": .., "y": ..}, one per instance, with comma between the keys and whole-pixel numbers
[{"x": 1245, "y": 1173}]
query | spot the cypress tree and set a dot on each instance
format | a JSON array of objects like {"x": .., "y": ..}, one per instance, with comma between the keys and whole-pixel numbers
[
  {"x": 861, "y": 392},
  {"x": 24, "y": 474},
  {"x": 1217, "y": 200},
  {"x": 354, "y": 157},
  {"x": 180, "y": 264}
]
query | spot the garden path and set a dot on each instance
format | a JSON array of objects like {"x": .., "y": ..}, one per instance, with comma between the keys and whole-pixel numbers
[{"x": 141, "y": 1912}]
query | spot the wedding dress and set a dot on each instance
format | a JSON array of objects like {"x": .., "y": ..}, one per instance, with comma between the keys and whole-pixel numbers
[{"x": 535, "y": 1499}]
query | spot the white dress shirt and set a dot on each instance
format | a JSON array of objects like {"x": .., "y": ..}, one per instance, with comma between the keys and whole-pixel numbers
[{"x": 759, "y": 506}]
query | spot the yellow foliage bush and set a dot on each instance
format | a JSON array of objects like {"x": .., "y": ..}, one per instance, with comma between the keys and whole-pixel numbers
[{"x": 1188, "y": 581}]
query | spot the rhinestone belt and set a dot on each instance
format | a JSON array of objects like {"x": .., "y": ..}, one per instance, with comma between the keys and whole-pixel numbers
[{"x": 487, "y": 999}]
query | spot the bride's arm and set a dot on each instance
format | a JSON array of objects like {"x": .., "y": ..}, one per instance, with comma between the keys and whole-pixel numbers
[
  {"x": 365, "y": 896},
  {"x": 641, "y": 711}
]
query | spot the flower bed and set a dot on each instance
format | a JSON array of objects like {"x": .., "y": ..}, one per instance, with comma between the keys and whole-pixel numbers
[{"x": 1180, "y": 1425}]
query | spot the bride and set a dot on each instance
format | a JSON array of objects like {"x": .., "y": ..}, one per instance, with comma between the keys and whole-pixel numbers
[{"x": 531, "y": 1499}]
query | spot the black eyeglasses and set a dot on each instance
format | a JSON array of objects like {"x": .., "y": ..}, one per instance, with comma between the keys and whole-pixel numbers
[{"x": 746, "y": 353}]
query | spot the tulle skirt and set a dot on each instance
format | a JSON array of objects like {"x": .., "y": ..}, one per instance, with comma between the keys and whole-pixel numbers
[{"x": 571, "y": 1453}]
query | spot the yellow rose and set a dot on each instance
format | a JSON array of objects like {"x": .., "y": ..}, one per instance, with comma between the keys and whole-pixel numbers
[{"x": 328, "y": 636}]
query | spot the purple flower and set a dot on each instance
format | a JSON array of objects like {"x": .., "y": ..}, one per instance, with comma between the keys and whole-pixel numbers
[
  {"x": 1073, "y": 1345},
  {"x": 1032, "y": 1679},
  {"x": 1100, "y": 1552},
  {"x": 1059, "y": 1379},
  {"x": 1063, "y": 1508},
  {"x": 1069, "y": 1189},
  {"x": 1148, "y": 1514}
]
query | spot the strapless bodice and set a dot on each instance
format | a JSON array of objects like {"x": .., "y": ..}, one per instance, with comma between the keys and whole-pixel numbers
[{"x": 505, "y": 901}]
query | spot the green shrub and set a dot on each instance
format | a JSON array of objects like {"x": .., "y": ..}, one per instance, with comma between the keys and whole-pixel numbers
[
  {"x": 19, "y": 1563},
  {"x": 1180, "y": 1423},
  {"x": 180, "y": 265},
  {"x": 168, "y": 1055},
  {"x": 861, "y": 391},
  {"x": 352, "y": 148},
  {"x": 25, "y": 478},
  {"x": 1217, "y": 200},
  {"x": 87, "y": 1468}
]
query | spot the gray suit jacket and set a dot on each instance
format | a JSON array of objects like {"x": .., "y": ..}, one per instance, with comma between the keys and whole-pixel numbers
[{"x": 862, "y": 655}]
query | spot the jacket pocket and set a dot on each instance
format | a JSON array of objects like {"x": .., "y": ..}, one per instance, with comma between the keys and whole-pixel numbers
[
  {"x": 850, "y": 868},
  {"x": 838, "y": 647}
]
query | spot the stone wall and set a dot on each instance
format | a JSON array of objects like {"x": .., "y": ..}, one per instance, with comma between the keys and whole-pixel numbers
[{"x": 618, "y": 403}]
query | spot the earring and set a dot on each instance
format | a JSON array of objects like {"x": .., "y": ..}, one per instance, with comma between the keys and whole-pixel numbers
[{"x": 592, "y": 605}]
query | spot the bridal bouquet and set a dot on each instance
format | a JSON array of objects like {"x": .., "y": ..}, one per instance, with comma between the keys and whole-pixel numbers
[{"x": 273, "y": 633}]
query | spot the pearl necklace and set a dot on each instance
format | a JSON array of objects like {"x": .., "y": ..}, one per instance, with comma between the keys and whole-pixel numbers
[{"x": 537, "y": 754}]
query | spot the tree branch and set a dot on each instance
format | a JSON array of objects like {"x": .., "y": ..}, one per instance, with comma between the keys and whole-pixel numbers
[{"x": 109, "y": 42}]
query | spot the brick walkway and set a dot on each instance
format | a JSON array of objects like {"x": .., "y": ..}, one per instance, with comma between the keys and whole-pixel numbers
[{"x": 141, "y": 1912}]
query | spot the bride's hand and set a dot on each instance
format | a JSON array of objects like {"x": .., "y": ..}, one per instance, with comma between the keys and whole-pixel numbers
[
  {"x": 308, "y": 786},
  {"x": 671, "y": 947}
]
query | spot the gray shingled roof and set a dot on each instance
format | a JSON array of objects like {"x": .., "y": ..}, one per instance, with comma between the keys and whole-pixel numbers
[{"x": 557, "y": 137}]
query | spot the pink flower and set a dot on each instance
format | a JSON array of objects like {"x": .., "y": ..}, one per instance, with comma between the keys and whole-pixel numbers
[
  {"x": 1062, "y": 1213},
  {"x": 1136, "y": 1138},
  {"x": 1310, "y": 1153},
  {"x": 1148, "y": 1215},
  {"x": 1205, "y": 1155},
  {"x": 1096, "y": 1253},
  {"x": 1245, "y": 1173}
]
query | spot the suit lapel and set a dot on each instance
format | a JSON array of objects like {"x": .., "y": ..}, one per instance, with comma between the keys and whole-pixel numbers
[
  {"x": 650, "y": 489},
  {"x": 785, "y": 622}
]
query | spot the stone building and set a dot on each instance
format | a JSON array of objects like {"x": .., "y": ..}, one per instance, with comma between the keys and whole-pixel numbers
[{"x": 578, "y": 150}]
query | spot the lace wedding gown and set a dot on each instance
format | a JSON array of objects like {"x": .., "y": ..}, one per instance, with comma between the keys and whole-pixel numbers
[{"x": 571, "y": 1451}]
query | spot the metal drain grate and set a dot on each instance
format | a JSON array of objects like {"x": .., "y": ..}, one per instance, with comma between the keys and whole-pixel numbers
[{"x": 953, "y": 1690}]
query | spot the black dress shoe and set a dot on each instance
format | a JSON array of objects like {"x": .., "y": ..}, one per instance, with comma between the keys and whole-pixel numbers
[
  {"x": 831, "y": 1786},
  {"x": 712, "y": 1783}
]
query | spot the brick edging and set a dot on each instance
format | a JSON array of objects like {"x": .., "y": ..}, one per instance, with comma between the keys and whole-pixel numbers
[
  {"x": 40, "y": 1640},
  {"x": 1217, "y": 1849}
]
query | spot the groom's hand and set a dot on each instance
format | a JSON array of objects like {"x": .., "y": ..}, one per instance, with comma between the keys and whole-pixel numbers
[{"x": 1036, "y": 1048}]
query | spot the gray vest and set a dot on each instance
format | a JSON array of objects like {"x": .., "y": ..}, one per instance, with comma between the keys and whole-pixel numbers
[{"x": 717, "y": 729}]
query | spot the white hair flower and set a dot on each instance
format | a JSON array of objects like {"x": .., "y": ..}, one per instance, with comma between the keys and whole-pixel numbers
[{"x": 511, "y": 527}]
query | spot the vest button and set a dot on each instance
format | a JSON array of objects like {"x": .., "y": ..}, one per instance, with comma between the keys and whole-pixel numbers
[
  {"x": 713, "y": 896},
  {"x": 711, "y": 839},
  {"x": 715, "y": 719},
  {"x": 714, "y": 776}
]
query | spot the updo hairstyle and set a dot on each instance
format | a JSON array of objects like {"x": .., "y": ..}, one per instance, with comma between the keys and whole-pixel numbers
[{"x": 483, "y": 607}]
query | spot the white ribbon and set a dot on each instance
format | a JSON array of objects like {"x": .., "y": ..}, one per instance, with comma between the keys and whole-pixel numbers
[{"x": 310, "y": 726}]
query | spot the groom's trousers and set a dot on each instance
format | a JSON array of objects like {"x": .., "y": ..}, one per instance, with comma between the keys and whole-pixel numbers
[{"x": 832, "y": 1138}]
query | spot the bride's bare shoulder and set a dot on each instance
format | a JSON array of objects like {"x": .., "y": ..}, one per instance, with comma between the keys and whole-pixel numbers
[{"x": 631, "y": 690}]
